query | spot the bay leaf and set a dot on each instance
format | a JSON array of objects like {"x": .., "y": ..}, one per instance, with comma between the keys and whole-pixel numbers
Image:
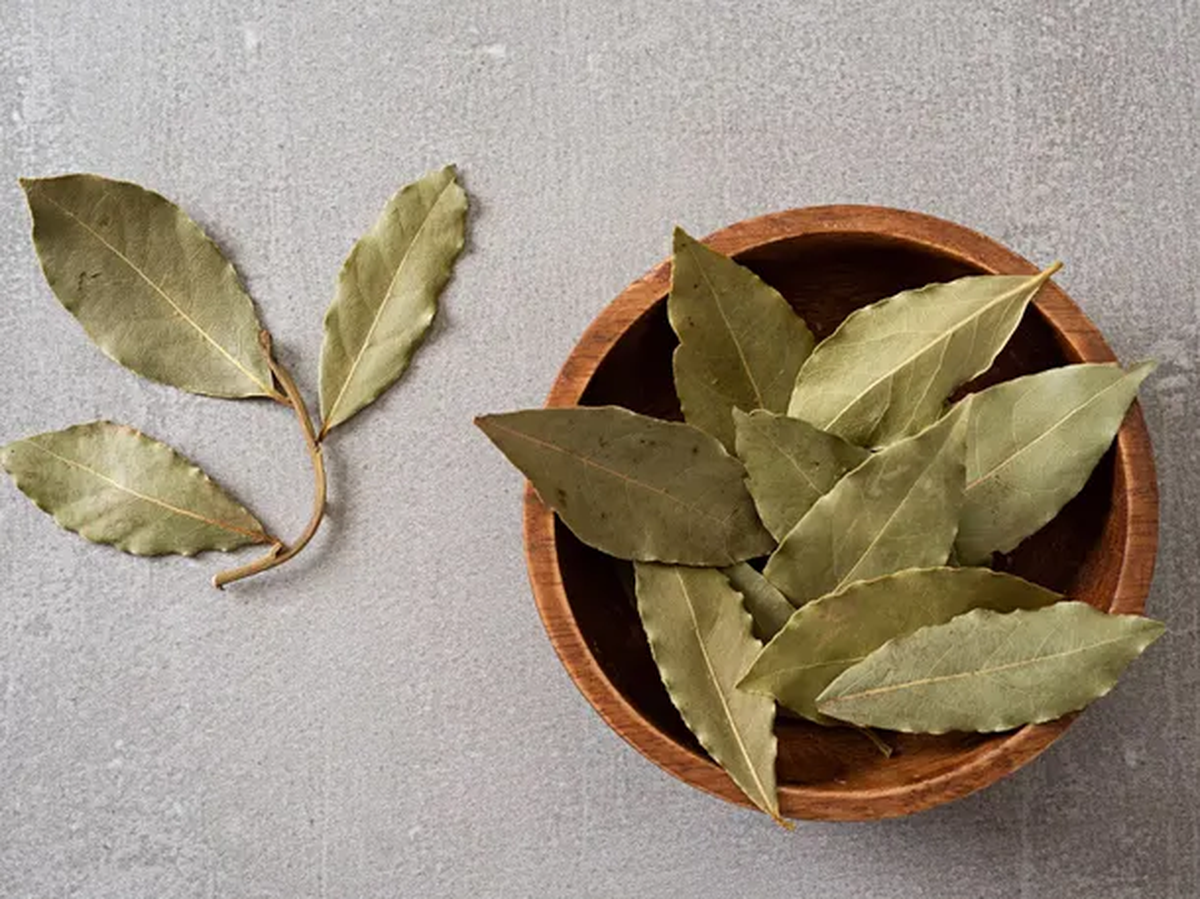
[
  {"x": 889, "y": 367},
  {"x": 1032, "y": 443},
  {"x": 830, "y": 634},
  {"x": 112, "y": 484},
  {"x": 632, "y": 486},
  {"x": 769, "y": 609},
  {"x": 148, "y": 285},
  {"x": 989, "y": 671},
  {"x": 740, "y": 342},
  {"x": 789, "y": 465},
  {"x": 898, "y": 509},
  {"x": 700, "y": 638},
  {"x": 387, "y": 293}
]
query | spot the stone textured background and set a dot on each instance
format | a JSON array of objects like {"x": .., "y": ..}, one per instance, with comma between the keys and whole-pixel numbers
[{"x": 386, "y": 717}]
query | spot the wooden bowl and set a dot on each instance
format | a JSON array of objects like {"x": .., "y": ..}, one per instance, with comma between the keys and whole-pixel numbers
[{"x": 827, "y": 261}]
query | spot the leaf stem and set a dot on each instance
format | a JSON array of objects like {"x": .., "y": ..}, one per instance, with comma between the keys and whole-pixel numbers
[
  {"x": 877, "y": 741},
  {"x": 280, "y": 552}
]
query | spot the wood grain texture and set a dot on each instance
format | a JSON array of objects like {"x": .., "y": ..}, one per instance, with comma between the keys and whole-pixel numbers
[{"x": 826, "y": 261}]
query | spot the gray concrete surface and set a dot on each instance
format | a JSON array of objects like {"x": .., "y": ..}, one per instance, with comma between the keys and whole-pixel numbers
[{"x": 386, "y": 717}]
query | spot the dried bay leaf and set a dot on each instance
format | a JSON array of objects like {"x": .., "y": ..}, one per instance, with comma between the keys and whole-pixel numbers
[
  {"x": 898, "y": 509},
  {"x": 632, "y": 486},
  {"x": 387, "y": 293},
  {"x": 1032, "y": 443},
  {"x": 740, "y": 342},
  {"x": 789, "y": 465},
  {"x": 889, "y": 367},
  {"x": 987, "y": 671},
  {"x": 148, "y": 285},
  {"x": 112, "y": 484},
  {"x": 829, "y": 635},
  {"x": 700, "y": 638},
  {"x": 769, "y": 608}
]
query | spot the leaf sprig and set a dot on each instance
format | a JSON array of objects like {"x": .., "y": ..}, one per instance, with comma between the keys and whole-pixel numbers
[
  {"x": 156, "y": 294},
  {"x": 836, "y": 534}
]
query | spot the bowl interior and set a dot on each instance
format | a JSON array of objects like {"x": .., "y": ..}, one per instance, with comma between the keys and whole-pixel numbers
[{"x": 825, "y": 277}]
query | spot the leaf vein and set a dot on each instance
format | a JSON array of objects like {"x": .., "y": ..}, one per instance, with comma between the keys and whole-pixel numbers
[
  {"x": 171, "y": 302},
  {"x": 257, "y": 536},
  {"x": 712, "y": 674},
  {"x": 331, "y": 414},
  {"x": 975, "y": 672}
]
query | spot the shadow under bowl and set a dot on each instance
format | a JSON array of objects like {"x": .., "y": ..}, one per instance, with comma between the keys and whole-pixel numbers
[{"x": 827, "y": 261}]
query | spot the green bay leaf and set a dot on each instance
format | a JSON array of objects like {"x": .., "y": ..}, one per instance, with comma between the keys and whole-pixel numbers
[
  {"x": 898, "y": 509},
  {"x": 769, "y": 608},
  {"x": 1032, "y": 443},
  {"x": 740, "y": 342},
  {"x": 387, "y": 293},
  {"x": 148, "y": 285},
  {"x": 789, "y": 465},
  {"x": 632, "y": 486},
  {"x": 700, "y": 638},
  {"x": 112, "y": 484},
  {"x": 987, "y": 671},
  {"x": 889, "y": 367},
  {"x": 829, "y": 635}
]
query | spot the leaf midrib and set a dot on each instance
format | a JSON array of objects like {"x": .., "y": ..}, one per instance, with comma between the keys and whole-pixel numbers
[
  {"x": 758, "y": 395},
  {"x": 976, "y": 672},
  {"x": 331, "y": 415},
  {"x": 712, "y": 675},
  {"x": 257, "y": 536},
  {"x": 612, "y": 471},
  {"x": 141, "y": 274},
  {"x": 847, "y": 578},
  {"x": 942, "y": 336},
  {"x": 796, "y": 465},
  {"x": 991, "y": 472},
  {"x": 814, "y": 666}
]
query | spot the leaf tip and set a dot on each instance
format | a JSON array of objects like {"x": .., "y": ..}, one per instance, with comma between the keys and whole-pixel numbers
[
  {"x": 1052, "y": 269},
  {"x": 1154, "y": 628},
  {"x": 485, "y": 423},
  {"x": 1143, "y": 369},
  {"x": 28, "y": 186},
  {"x": 680, "y": 238}
]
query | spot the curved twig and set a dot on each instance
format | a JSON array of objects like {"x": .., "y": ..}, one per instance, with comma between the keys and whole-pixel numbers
[{"x": 280, "y": 553}]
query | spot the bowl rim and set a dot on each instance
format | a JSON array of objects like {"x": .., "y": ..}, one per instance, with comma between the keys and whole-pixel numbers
[{"x": 1082, "y": 341}]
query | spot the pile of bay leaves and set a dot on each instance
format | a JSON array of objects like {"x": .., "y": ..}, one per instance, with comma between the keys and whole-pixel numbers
[{"x": 876, "y": 502}]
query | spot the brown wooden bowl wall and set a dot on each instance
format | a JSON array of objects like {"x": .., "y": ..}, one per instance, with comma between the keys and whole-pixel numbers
[{"x": 827, "y": 261}]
